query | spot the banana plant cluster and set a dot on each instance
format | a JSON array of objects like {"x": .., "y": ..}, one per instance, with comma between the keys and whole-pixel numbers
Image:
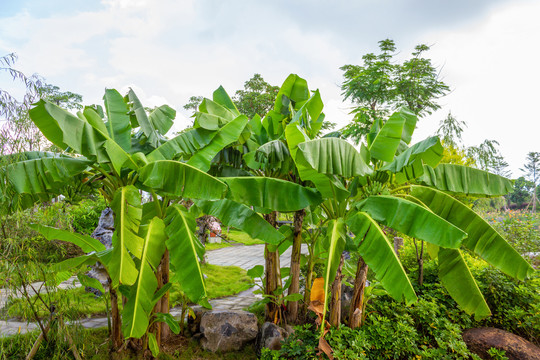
[
  {"x": 391, "y": 184},
  {"x": 123, "y": 150}
]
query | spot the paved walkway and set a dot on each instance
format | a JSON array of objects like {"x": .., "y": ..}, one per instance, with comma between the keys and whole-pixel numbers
[{"x": 245, "y": 257}]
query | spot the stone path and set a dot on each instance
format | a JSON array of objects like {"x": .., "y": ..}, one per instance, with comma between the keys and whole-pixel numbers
[{"x": 245, "y": 257}]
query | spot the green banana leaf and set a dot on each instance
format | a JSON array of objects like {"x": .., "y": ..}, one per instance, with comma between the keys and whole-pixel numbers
[
  {"x": 213, "y": 116},
  {"x": 139, "y": 305},
  {"x": 464, "y": 180},
  {"x": 139, "y": 113},
  {"x": 334, "y": 244},
  {"x": 227, "y": 135},
  {"x": 67, "y": 130},
  {"x": 333, "y": 156},
  {"x": 458, "y": 280},
  {"x": 73, "y": 264},
  {"x": 485, "y": 241},
  {"x": 85, "y": 242},
  {"x": 385, "y": 142},
  {"x": 326, "y": 185},
  {"x": 127, "y": 208},
  {"x": 409, "y": 164},
  {"x": 40, "y": 176},
  {"x": 185, "y": 250},
  {"x": 269, "y": 193},
  {"x": 379, "y": 254},
  {"x": 179, "y": 179},
  {"x": 162, "y": 118},
  {"x": 293, "y": 90},
  {"x": 221, "y": 97},
  {"x": 241, "y": 217},
  {"x": 184, "y": 144},
  {"x": 413, "y": 220},
  {"x": 92, "y": 116},
  {"x": 118, "y": 124}
]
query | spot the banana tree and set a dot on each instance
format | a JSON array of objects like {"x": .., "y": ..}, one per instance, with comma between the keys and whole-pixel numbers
[
  {"x": 387, "y": 183},
  {"x": 144, "y": 234}
]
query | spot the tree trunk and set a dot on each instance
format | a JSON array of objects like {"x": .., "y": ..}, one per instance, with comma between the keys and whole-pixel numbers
[
  {"x": 357, "y": 301},
  {"x": 272, "y": 274},
  {"x": 295, "y": 265},
  {"x": 116, "y": 331},
  {"x": 335, "y": 304},
  {"x": 309, "y": 284}
]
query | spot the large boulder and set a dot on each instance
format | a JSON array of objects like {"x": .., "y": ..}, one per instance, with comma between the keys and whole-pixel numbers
[
  {"x": 227, "y": 330},
  {"x": 480, "y": 340},
  {"x": 103, "y": 232},
  {"x": 270, "y": 336}
]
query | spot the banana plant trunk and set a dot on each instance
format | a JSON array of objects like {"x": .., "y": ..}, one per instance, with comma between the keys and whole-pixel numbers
[
  {"x": 116, "y": 328},
  {"x": 335, "y": 304},
  {"x": 295, "y": 265},
  {"x": 163, "y": 304},
  {"x": 309, "y": 283},
  {"x": 272, "y": 274},
  {"x": 357, "y": 301}
]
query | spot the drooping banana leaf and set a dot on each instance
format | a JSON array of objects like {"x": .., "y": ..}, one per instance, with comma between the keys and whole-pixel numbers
[
  {"x": 185, "y": 250},
  {"x": 409, "y": 164},
  {"x": 227, "y": 135},
  {"x": 212, "y": 116},
  {"x": 118, "y": 124},
  {"x": 269, "y": 193},
  {"x": 379, "y": 254},
  {"x": 184, "y": 144},
  {"x": 127, "y": 208},
  {"x": 85, "y": 242},
  {"x": 413, "y": 220},
  {"x": 42, "y": 175},
  {"x": 458, "y": 280},
  {"x": 464, "y": 180},
  {"x": 326, "y": 185},
  {"x": 67, "y": 130},
  {"x": 334, "y": 244},
  {"x": 179, "y": 179},
  {"x": 482, "y": 238},
  {"x": 333, "y": 156},
  {"x": 241, "y": 217},
  {"x": 138, "y": 308},
  {"x": 73, "y": 264},
  {"x": 162, "y": 118},
  {"x": 385, "y": 142}
]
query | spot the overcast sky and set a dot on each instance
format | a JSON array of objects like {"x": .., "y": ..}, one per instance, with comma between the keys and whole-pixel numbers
[{"x": 168, "y": 50}]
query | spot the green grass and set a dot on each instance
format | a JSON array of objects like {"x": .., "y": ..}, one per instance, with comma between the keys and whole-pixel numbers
[
  {"x": 243, "y": 238},
  {"x": 77, "y": 303},
  {"x": 234, "y": 237},
  {"x": 93, "y": 345}
]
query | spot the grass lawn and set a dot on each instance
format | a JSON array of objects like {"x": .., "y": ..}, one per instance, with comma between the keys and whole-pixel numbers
[
  {"x": 77, "y": 303},
  {"x": 93, "y": 344},
  {"x": 234, "y": 237}
]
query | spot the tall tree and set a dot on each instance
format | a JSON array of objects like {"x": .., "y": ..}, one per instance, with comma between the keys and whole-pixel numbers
[
  {"x": 381, "y": 85},
  {"x": 531, "y": 170}
]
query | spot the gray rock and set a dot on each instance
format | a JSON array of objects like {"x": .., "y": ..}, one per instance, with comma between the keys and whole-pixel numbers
[
  {"x": 103, "y": 233},
  {"x": 105, "y": 228},
  {"x": 347, "y": 293},
  {"x": 271, "y": 336},
  {"x": 227, "y": 330},
  {"x": 194, "y": 323},
  {"x": 480, "y": 340}
]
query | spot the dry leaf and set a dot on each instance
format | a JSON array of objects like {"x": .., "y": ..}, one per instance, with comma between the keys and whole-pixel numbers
[
  {"x": 317, "y": 290},
  {"x": 325, "y": 347}
]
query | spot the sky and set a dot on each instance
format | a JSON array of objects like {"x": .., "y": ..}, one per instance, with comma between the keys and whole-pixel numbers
[{"x": 487, "y": 51}]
